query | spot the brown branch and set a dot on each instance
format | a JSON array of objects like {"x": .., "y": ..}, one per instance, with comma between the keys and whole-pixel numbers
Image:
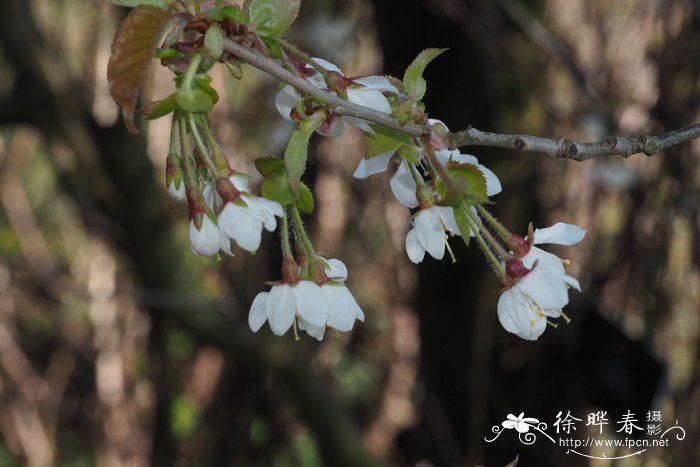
[
  {"x": 341, "y": 106},
  {"x": 563, "y": 148}
]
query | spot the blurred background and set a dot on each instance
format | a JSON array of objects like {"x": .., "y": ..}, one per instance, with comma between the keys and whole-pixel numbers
[{"x": 119, "y": 347}]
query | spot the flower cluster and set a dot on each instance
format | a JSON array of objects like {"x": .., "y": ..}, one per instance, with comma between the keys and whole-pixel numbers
[
  {"x": 309, "y": 305},
  {"x": 448, "y": 191},
  {"x": 537, "y": 284}
]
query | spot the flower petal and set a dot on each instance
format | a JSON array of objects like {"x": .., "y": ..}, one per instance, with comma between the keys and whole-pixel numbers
[
  {"x": 559, "y": 234},
  {"x": 403, "y": 186},
  {"x": 206, "y": 240},
  {"x": 281, "y": 308},
  {"x": 316, "y": 332},
  {"x": 430, "y": 232},
  {"x": 341, "y": 312},
  {"x": 373, "y": 165},
  {"x": 371, "y": 98},
  {"x": 379, "y": 83},
  {"x": 238, "y": 223},
  {"x": 285, "y": 100},
  {"x": 336, "y": 269},
  {"x": 311, "y": 302},
  {"x": 258, "y": 314},
  {"x": 414, "y": 249},
  {"x": 447, "y": 216}
]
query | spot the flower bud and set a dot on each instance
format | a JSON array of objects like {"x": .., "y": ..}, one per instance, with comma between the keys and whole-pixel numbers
[
  {"x": 213, "y": 46},
  {"x": 174, "y": 180}
]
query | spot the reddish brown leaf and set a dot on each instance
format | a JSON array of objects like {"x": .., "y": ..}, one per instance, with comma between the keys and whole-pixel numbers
[{"x": 132, "y": 51}]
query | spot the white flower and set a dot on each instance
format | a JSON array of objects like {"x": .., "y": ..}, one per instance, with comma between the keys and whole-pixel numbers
[
  {"x": 284, "y": 303},
  {"x": 313, "y": 306},
  {"x": 366, "y": 91},
  {"x": 243, "y": 219},
  {"x": 428, "y": 233},
  {"x": 343, "y": 308},
  {"x": 521, "y": 423},
  {"x": 542, "y": 292},
  {"x": 523, "y": 309},
  {"x": 208, "y": 239}
]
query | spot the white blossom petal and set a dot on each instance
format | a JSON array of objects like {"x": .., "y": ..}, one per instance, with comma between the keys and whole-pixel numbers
[
  {"x": 311, "y": 302},
  {"x": 238, "y": 223},
  {"x": 285, "y": 100},
  {"x": 206, "y": 240},
  {"x": 430, "y": 232},
  {"x": 343, "y": 307},
  {"x": 281, "y": 309},
  {"x": 559, "y": 234},
  {"x": 258, "y": 312},
  {"x": 414, "y": 249},
  {"x": 373, "y": 165},
  {"x": 314, "y": 331},
  {"x": 447, "y": 216},
  {"x": 403, "y": 186},
  {"x": 379, "y": 83},
  {"x": 336, "y": 269}
]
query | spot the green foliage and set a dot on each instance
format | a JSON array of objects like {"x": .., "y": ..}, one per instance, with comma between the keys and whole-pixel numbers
[
  {"x": 271, "y": 18},
  {"x": 184, "y": 417},
  {"x": 471, "y": 179},
  {"x": 383, "y": 140},
  {"x": 132, "y": 51},
  {"x": 413, "y": 81}
]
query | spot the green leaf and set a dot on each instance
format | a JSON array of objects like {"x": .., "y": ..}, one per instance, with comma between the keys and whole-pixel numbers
[
  {"x": 383, "y": 140},
  {"x": 132, "y": 51},
  {"x": 305, "y": 203},
  {"x": 159, "y": 108},
  {"x": 134, "y": 3},
  {"x": 409, "y": 152},
  {"x": 298, "y": 149},
  {"x": 271, "y": 17},
  {"x": 471, "y": 178},
  {"x": 413, "y": 80}
]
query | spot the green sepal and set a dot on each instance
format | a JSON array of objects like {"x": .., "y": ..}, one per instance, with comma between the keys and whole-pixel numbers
[
  {"x": 413, "y": 81},
  {"x": 270, "y": 166},
  {"x": 277, "y": 189},
  {"x": 271, "y": 18},
  {"x": 165, "y": 54},
  {"x": 134, "y": 3},
  {"x": 194, "y": 100},
  {"x": 159, "y": 108},
  {"x": 305, "y": 202},
  {"x": 297, "y": 150},
  {"x": 383, "y": 140},
  {"x": 203, "y": 83}
]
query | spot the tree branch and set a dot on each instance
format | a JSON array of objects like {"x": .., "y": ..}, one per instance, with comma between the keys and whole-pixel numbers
[
  {"x": 561, "y": 148},
  {"x": 341, "y": 106}
]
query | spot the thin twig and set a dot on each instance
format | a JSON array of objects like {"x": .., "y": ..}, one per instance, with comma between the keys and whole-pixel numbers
[
  {"x": 341, "y": 106},
  {"x": 561, "y": 148}
]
